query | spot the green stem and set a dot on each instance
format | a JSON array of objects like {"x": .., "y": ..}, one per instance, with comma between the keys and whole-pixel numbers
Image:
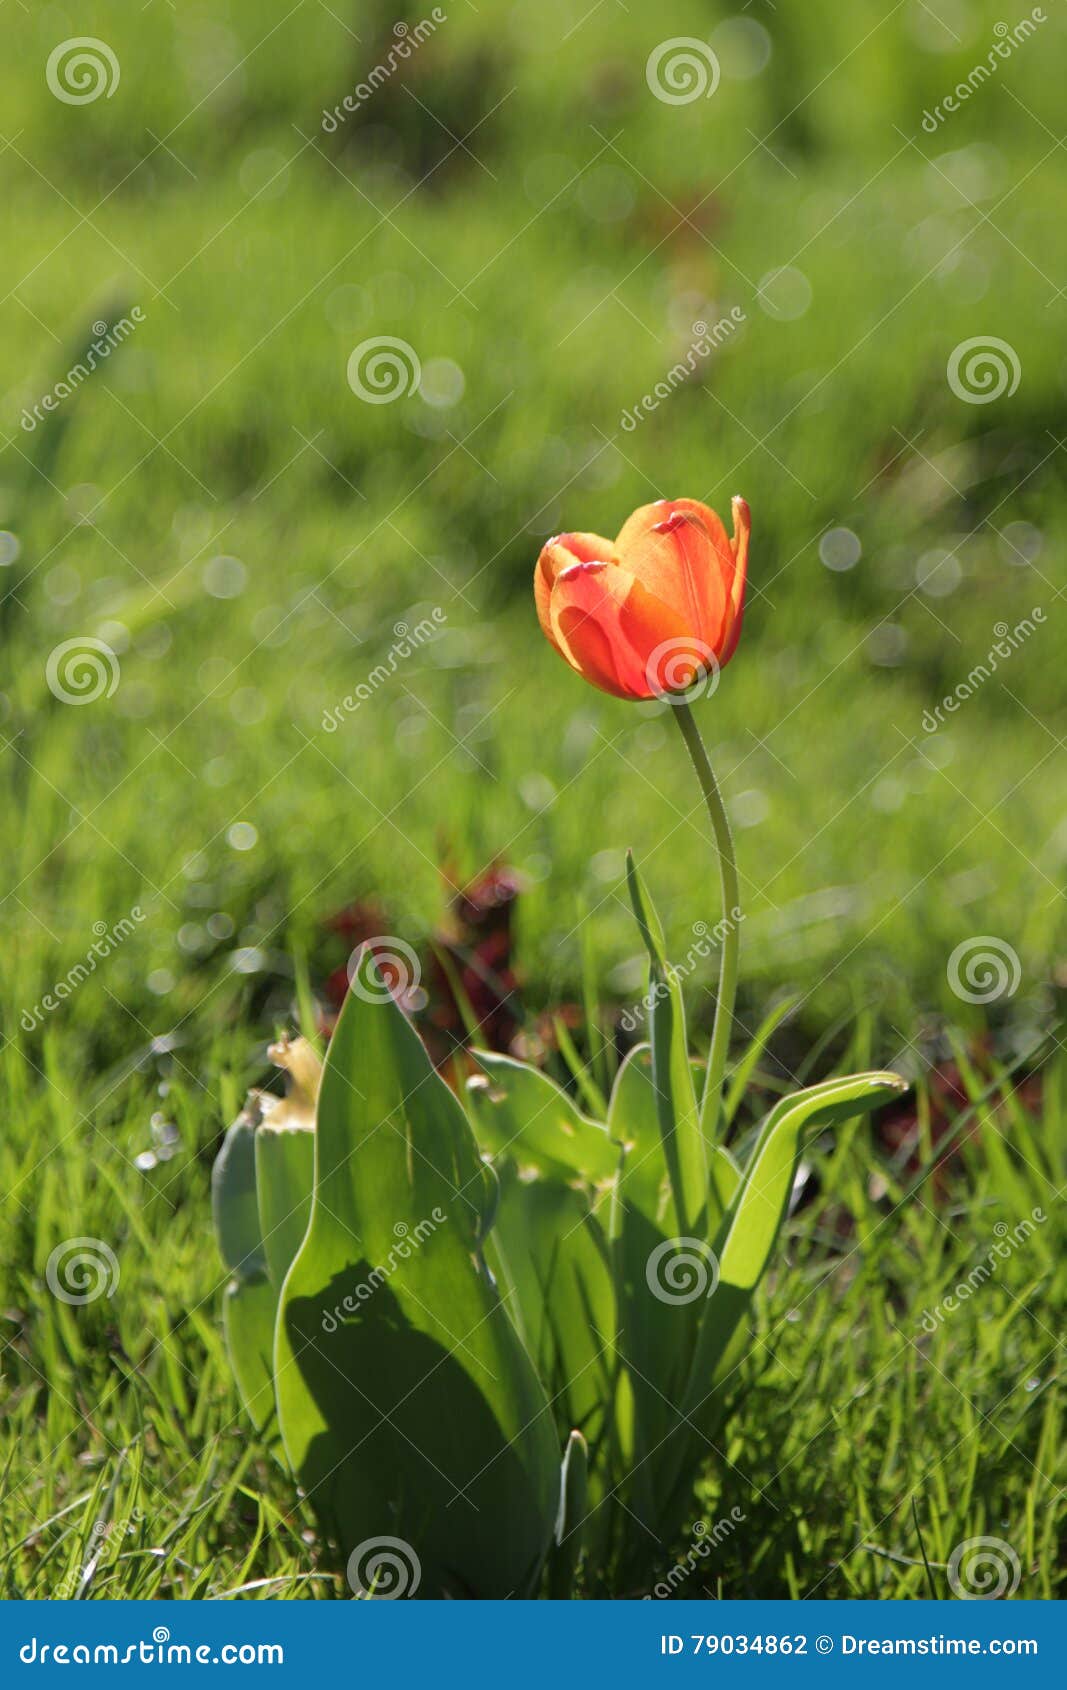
[{"x": 731, "y": 909}]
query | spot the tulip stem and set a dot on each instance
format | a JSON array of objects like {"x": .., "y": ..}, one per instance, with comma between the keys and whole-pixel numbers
[{"x": 731, "y": 912}]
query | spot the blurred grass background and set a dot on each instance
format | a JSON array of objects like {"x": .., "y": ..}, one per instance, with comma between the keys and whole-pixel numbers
[
  {"x": 219, "y": 506},
  {"x": 548, "y": 271}
]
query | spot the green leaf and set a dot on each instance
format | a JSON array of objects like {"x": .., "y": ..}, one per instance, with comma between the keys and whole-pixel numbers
[
  {"x": 656, "y": 1336},
  {"x": 749, "y": 1229},
  {"x": 250, "y": 1300},
  {"x": 285, "y": 1167},
  {"x": 409, "y": 1408},
  {"x": 573, "y": 1507},
  {"x": 522, "y": 1113},
  {"x": 249, "y": 1309},
  {"x": 234, "y": 1206},
  {"x": 550, "y": 1251}
]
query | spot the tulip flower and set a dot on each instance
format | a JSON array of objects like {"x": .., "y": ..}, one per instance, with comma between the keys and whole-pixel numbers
[
  {"x": 655, "y": 611},
  {"x": 649, "y": 616}
]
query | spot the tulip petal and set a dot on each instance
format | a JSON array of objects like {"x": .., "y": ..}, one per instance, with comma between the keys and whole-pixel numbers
[
  {"x": 611, "y": 629},
  {"x": 679, "y": 550},
  {"x": 742, "y": 517},
  {"x": 556, "y": 555}
]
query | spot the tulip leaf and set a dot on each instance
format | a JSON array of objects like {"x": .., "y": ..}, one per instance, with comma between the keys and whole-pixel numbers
[
  {"x": 549, "y": 1249},
  {"x": 573, "y": 1508},
  {"x": 522, "y": 1113},
  {"x": 748, "y": 1231},
  {"x": 408, "y": 1405},
  {"x": 249, "y": 1309},
  {"x": 250, "y": 1301},
  {"x": 285, "y": 1167},
  {"x": 657, "y": 1332}
]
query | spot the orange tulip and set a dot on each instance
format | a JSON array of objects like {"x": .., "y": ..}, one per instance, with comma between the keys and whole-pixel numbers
[{"x": 653, "y": 612}]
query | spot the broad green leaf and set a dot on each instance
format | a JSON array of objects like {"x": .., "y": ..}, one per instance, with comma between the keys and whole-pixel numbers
[
  {"x": 250, "y": 1301},
  {"x": 285, "y": 1163},
  {"x": 409, "y": 1407},
  {"x": 522, "y": 1113},
  {"x": 234, "y": 1207},
  {"x": 249, "y": 1308},
  {"x": 548, "y": 1248},
  {"x": 678, "y": 1111}
]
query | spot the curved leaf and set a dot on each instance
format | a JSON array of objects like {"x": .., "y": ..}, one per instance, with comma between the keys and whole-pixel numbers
[
  {"x": 750, "y": 1227},
  {"x": 523, "y": 1113},
  {"x": 408, "y": 1405}
]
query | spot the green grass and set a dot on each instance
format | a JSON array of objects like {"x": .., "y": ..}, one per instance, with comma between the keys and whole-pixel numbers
[
  {"x": 561, "y": 269},
  {"x": 860, "y": 1442}
]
